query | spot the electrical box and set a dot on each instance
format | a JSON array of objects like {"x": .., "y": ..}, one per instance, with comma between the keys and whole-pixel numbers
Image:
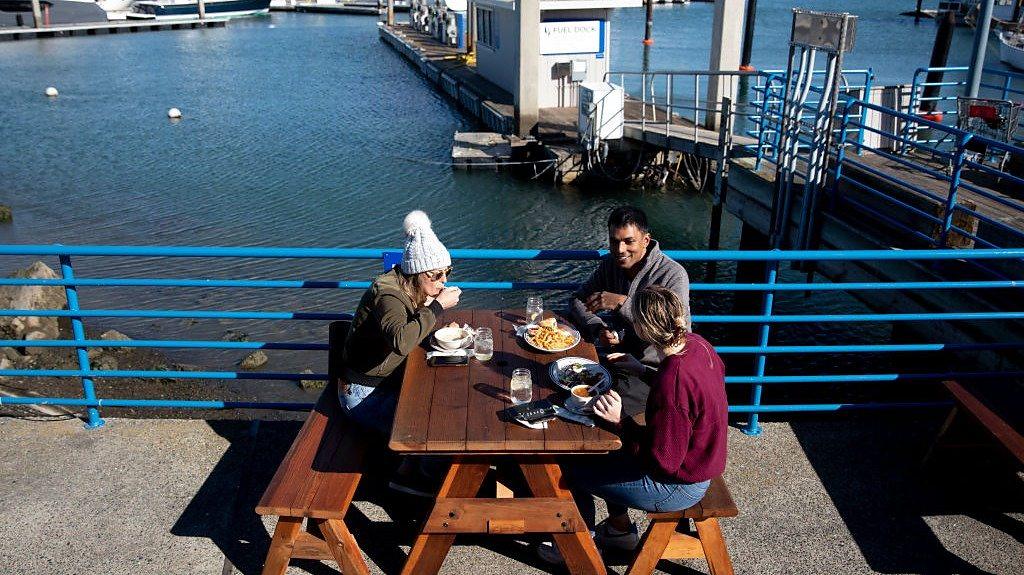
[
  {"x": 600, "y": 111},
  {"x": 578, "y": 71}
]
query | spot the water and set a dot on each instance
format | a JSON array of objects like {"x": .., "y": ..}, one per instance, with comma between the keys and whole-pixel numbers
[
  {"x": 305, "y": 130},
  {"x": 890, "y": 44}
]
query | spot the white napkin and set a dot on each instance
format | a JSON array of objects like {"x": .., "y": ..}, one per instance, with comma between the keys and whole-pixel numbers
[
  {"x": 537, "y": 425},
  {"x": 449, "y": 353},
  {"x": 521, "y": 329}
]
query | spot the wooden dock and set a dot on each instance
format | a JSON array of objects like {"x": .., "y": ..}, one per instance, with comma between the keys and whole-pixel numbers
[
  {"x": 95, "y": 28},
  {"x": 446, "y": 68}
]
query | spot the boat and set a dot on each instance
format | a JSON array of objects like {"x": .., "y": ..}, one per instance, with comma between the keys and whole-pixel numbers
[
  {"x": 19, "y": 12},
  {"x": 1011, "y": 48},
  {"x": 189, "y": 9}
]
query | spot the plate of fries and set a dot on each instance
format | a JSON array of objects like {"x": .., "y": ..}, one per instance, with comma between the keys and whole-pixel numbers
[{"x": 549, "y": 336}]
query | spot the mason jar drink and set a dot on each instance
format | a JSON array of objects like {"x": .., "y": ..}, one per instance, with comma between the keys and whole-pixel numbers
[
  {"x": 483, "y": 344},
  {"x": 522, "y": 386}
]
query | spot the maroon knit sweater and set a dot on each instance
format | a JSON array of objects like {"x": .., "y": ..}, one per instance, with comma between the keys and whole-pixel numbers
[{"x": 687, "y": 417}]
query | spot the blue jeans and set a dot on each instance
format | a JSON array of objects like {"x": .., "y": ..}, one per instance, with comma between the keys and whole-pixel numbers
[
  {"x": 374, "y": 408},
  {"x": 371, "y": 407},
  {"x": 621, "y": 481}
]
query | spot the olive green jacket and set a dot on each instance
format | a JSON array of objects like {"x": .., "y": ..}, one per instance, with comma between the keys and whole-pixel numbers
[{"x": 386, "y": 328}]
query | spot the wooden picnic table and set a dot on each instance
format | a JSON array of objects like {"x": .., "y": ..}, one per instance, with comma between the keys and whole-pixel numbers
[{"x": 454, "y": 411}]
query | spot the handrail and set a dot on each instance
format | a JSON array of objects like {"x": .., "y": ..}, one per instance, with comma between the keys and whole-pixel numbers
[{"x": 771, "y": 316}]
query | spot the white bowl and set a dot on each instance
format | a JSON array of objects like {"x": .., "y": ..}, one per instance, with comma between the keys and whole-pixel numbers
[{"x": 452, "y": 337}]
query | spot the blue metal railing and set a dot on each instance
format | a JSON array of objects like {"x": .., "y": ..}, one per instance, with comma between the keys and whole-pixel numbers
[
  {"x": 941, "y": 106},
  {"x": 766, "y": 322},
  {"x": 767, "y": 99},
  {"x": 963, "y": 186}
]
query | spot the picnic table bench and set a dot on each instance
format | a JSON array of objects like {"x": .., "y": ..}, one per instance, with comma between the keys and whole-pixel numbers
[
  {"x": 994, "y": 405},
  {"x": 315, "y": 483}
]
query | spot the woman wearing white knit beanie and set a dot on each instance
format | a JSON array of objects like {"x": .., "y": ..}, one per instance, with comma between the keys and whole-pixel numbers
[{"x": 399, "y": 310}]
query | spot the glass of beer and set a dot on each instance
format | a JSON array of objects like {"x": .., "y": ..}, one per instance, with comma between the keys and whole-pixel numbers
[
  {"x": 522, "y": 386},
  {"x": 534, "y": 309},
  {"x": 483, "y": 344}
]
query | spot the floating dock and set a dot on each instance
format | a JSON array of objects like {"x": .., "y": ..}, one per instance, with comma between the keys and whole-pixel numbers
[
  {"x": 95, "y": 28},
  {"x": 445, "y": 67}
]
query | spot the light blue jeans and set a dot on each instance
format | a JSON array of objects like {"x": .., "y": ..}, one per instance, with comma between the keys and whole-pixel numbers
[{"x": 621, "y": 481}]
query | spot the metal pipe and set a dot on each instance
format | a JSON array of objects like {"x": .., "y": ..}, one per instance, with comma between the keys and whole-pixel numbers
[
  {"x": 78, "y": 331},
  {"x": 748, "y": 36},
  {"x": 978, "y": 50},
  {"x": 649, "y": 26},
  {"x": 753, "y": 427}
]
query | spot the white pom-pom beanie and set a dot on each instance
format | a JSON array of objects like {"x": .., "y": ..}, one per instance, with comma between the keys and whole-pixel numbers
[{"x": 423, "y": 251}]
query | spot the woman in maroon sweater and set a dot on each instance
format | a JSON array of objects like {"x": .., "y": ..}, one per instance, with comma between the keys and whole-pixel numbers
[{"x": 668, "y": 464}]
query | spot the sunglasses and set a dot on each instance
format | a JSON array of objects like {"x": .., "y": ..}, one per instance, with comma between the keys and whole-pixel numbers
[{"x": 437, "y": 275}]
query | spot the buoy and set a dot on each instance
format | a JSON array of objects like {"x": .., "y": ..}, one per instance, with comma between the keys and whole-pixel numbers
[
  {"x": 747, "y": 68},
  {"x": 932, "y": 116},
  {"x": 52, "y": 92},
  {"x": 648, "y": 41},
  {"x": 174, "y": 113}
]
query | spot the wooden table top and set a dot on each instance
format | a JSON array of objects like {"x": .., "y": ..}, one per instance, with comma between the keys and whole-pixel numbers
[{"x": 455, "y": 409}]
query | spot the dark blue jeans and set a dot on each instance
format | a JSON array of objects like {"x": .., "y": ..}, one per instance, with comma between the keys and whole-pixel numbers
[
  {"x": 374, "y": 408},
  {"x": 371, "y": 407},
  {"x": 621, "y": 481}
]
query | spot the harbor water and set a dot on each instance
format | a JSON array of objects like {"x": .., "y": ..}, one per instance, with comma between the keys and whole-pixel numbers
[{"x": 305, "y": 130}]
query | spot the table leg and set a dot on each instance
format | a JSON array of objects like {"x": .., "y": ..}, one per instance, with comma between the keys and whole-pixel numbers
[
  {"x": 545, "y": 480},
  {"x": 428, "y": 552}
]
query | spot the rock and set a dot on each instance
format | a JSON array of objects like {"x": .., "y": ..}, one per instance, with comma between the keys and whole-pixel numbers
[
  {"x": 5, "y": 364},
  {"x": 114, "y": 335},
  {"x": 95, "y": 352},
  {"x": 10, "y": 353},
  {"x": 5, "y": 214},
  {"x": 32, "y": 336},
  {"x": 235, "y": 335},
  {"x": 311, "y": 384},
  {"x": 31, "y": 297},
  {"x": 254, "y": 360},
  {"x": 105, "y": 363}
]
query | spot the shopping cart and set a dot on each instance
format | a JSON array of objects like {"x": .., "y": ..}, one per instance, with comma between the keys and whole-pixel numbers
[{"x": 993, "y": 119}]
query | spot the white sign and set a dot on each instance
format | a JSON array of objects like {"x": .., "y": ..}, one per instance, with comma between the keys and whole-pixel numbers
[{"x": 575, "y": 37}]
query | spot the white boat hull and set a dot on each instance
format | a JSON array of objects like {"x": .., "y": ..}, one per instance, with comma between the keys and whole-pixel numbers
[{"x": 1011, "y": 51}]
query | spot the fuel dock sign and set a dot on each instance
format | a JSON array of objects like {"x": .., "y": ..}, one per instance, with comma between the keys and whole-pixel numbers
[{"x": 572, "y": 37}]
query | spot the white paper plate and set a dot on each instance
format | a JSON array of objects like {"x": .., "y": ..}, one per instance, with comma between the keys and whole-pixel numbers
[
  {"x": 555, "y": 370},
  {"x": 575, "y": 338}
]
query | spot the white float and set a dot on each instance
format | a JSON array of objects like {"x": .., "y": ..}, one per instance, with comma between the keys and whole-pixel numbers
[
  {"x": 52, "y": 92},
  {"x": 174, "y": 113}
]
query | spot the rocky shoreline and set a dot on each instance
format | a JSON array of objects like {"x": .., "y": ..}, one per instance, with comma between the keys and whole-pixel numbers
[{"x": 29, "y": 328}]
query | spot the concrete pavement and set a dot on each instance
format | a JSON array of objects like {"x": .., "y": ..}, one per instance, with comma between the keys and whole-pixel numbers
[{"x": 829, "y": 495}]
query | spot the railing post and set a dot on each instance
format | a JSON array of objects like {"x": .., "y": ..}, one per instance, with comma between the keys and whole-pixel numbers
[
  {"x": 643, "y": 102},
  {"x": 954, "y": 186},
  {"x": 78, "y": 331},
  {"x": 753, "y": 427},
  {"x": 763, "y": 123},
  {"x": 841, "y": 154},
  {"x": 669, "y": 105},
  {"x": 868, "y": 85},
  {"x": 391, "y": 259}
]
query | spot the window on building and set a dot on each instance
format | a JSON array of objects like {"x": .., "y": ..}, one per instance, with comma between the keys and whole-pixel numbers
[{"x": 485, "y": 32}]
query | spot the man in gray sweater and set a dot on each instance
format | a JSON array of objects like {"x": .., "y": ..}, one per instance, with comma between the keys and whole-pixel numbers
[{"x": 601, "y": 308}]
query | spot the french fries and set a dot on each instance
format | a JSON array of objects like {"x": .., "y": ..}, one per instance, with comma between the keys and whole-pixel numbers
[{"x": 549, "y": 336}]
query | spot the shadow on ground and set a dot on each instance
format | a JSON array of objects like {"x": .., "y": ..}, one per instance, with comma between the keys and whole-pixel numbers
[
  {"x": 223, "y": 508},
  {"x": 872, "y": 470}
]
